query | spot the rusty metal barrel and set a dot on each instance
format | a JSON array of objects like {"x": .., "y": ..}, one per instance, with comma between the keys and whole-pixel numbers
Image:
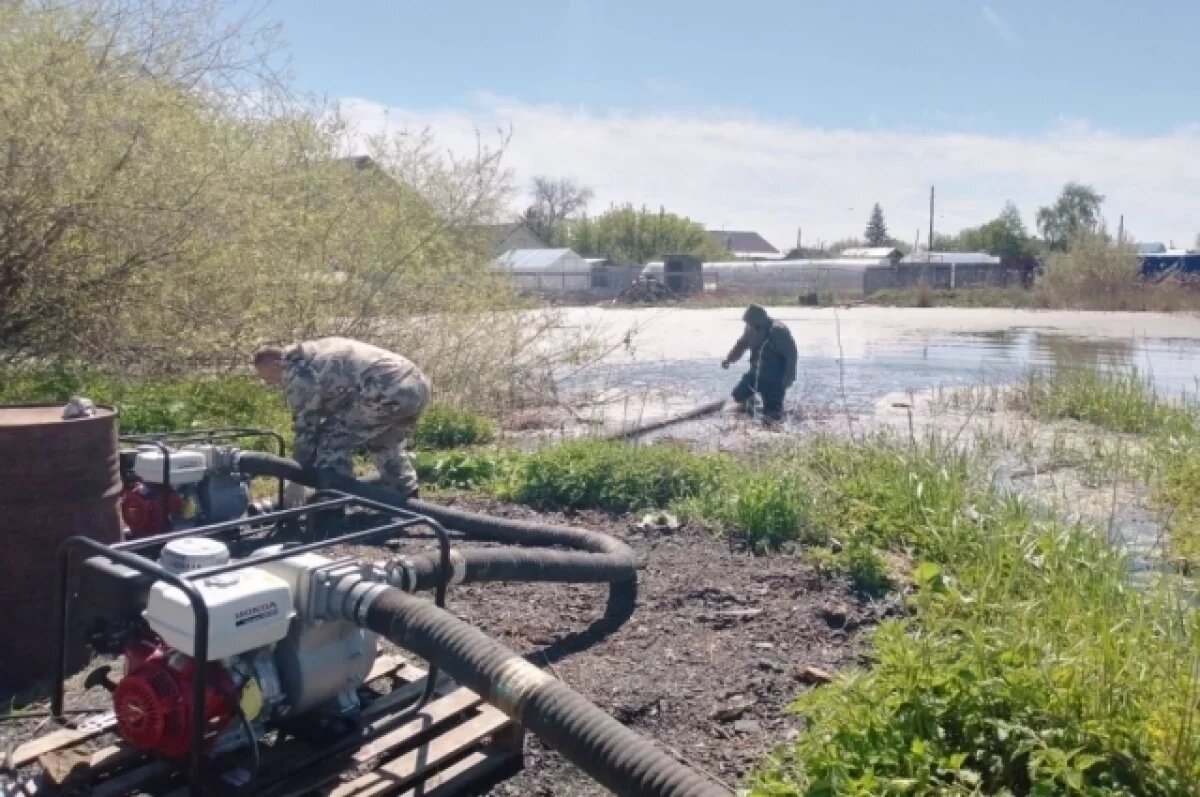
[{"x": 58, "y": 478}]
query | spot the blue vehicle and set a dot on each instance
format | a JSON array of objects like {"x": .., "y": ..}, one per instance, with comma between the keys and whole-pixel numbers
[{"x": 1159, "y": 264}]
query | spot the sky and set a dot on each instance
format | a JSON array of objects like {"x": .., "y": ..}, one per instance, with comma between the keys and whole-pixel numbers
[{"x": 790, "y": 117}]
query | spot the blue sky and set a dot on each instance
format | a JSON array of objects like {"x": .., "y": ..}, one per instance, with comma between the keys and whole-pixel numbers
[{"x": 1103, "y": 91}]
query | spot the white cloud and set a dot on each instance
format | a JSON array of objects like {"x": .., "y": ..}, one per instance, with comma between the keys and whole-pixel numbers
[
  {"x": 997, "y": 23},
  {"x": 736, "y": 171}
]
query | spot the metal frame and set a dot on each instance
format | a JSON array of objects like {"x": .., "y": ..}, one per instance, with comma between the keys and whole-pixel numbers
[
  {"x": 160, "y": 441},
  {"x": 124, "y": 553}
]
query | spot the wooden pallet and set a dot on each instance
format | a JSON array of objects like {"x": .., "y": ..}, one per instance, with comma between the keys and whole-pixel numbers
[{"x": 454, "y": 742}]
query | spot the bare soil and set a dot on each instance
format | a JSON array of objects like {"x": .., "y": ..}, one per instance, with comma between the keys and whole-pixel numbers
[{"x": 714, "y": 653}]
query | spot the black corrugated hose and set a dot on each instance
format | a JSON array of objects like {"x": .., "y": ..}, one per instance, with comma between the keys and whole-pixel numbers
[
  {"x": 618, "y": 758},
  {"x": 594, "y": 558}
]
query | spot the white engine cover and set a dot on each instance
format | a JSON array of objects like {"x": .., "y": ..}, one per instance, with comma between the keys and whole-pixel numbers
[
  {"x": 188, "y": 466},
  {"x": 247, "y": 609}
]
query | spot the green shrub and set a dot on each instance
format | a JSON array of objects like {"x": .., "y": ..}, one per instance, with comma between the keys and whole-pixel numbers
[
  {"x": 168, "y": 403},
  {"x": 463, "y": 470},
  {"x": 769, "y": 508},
  {"x": 614, "y": 476},
  {"x": 447, "y": 426},
  {"x": 866, "y": 570},
  {"x": 1094, "y": 273}
]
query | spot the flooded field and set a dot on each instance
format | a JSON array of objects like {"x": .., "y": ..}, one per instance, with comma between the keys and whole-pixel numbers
[{"x": 850, "y": 358}]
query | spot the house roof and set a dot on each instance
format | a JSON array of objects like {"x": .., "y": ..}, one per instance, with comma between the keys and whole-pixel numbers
[
  {"x": 499, "y": 233},
  {"x": 745, "y": 241}
]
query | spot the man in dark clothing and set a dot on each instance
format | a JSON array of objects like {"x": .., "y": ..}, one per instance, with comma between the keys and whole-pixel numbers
[{"x": 772, "y": 362}]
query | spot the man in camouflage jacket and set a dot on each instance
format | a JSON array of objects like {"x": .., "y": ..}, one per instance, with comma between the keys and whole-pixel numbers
[
  {"x": 772, "y": 362},
  {"x": 347, "y": 396}
]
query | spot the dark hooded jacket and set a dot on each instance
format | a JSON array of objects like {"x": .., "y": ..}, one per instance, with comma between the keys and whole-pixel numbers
[{"x": 772, "y": 350}]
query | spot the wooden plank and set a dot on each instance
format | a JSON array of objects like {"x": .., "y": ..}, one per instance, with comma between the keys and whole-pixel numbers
[
  {"x": 436, "y": 712},
  {"x": 63, "y": 737},
  {"x": 327, "y": 764},
  {"x": 454, "y": 779},
  {"x": 402, "y": 770}
]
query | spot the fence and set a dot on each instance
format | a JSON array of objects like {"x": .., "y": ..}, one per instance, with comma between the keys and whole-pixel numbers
[
  {"x": 944, "y": 276},
  {"x": 839, "y": 282}
]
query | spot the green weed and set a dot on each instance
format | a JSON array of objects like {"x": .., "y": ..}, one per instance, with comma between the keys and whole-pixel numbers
[
  {"x": 613, "y": 476},
  {"x": 447, "y": 426}
]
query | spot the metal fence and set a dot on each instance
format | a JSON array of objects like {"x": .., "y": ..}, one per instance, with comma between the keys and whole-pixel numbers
[{"x": 944, "y": 276}]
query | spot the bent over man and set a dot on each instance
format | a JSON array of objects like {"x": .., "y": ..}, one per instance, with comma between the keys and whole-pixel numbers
[
  {"x": 347, "y": 396},
  {"x": 772, "y": 362}
]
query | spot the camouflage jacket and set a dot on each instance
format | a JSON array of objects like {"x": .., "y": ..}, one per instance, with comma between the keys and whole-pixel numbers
[
  {"x": 329, "y": 376},
  {"x": 772, "y": 352}
]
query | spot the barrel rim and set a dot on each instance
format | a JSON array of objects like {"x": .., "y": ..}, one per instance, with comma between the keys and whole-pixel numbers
[{"x": 111, "y": 412}]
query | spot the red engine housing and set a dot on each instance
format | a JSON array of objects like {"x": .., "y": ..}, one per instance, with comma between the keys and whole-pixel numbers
[
  {"x": 143, "y": 511},
  {"x": 153, "y": 702}
]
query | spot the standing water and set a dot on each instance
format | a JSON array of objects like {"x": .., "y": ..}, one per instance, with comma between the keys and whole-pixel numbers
[{"x": 850, "y": 358}]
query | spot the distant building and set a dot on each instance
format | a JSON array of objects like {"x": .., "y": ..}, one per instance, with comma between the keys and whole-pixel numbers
[
  {"x": 1151, "y": 248},
  {"x": 745, "y": 244},
  {"x": 507, "y": 237},
  {"x": 546, "y": 271}
]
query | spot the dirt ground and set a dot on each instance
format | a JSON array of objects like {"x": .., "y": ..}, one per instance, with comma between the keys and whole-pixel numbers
[{"x": 713, "y": 655}]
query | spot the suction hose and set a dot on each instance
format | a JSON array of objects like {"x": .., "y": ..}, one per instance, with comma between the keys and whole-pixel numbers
[
  {"x": 618, "y": 758},
  {"x": 593, "y": 558}
]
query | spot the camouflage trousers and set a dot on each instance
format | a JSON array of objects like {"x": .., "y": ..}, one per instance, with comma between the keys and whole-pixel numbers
[{"x": 379, "y": 428}]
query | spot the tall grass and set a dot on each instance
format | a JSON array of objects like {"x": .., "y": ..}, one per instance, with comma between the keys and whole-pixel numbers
[{"x": 1121, "y": 401}]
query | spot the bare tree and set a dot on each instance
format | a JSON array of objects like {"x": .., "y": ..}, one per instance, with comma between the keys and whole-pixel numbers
[{"x": 555, "y": 201}]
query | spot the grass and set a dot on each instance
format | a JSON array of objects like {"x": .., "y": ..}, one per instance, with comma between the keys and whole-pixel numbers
[{"x": 1120, "y": 401}]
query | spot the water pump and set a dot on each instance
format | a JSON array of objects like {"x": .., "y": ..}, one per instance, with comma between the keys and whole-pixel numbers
[
  {"x": 173, "y": 488},
  {"x": 268, "y": 658}
]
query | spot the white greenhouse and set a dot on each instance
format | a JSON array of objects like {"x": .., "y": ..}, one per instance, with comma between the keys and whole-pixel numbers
[
  {"x": 837, "y": 275},
  {"x": 546, "y": 271}
]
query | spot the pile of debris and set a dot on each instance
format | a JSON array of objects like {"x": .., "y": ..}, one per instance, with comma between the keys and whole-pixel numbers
[{"x": 646, "y": 290}]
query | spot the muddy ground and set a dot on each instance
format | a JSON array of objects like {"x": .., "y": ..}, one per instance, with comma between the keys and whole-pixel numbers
[{"x": 707, "y": 665}]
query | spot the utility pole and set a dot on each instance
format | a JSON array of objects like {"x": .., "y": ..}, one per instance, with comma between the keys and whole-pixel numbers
[
  {"x": 931, "y": 220},
  {"x": 1121, "y": 231}
]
